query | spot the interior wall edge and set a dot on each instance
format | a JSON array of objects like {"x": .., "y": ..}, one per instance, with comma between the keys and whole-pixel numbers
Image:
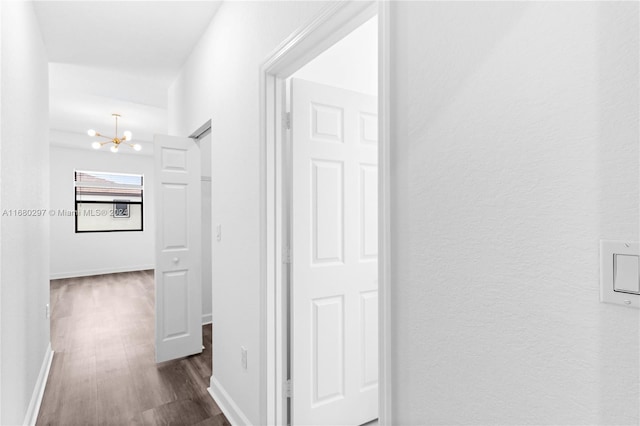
[
  {"x": 38, "y": 391},
  {"x": 229, "y": 408}
]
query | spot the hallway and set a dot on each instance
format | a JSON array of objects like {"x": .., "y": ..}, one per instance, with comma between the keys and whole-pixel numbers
[
  {"x": 508, "y": 167},
  {"x": 103, "y": 370}
]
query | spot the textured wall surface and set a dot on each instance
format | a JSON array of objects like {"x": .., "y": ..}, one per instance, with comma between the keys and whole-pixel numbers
[
  {"x": 220, "y": 82},
  {"x": 24, "y": 173},
  {"x": 514, "y": 151}
]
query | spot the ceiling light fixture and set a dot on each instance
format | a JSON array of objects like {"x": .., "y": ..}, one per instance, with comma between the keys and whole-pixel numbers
[{"x": 116, "y": 141}]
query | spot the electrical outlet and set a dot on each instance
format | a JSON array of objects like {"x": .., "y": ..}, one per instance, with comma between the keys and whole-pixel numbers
[
  {"x": 47, "y": 311},
  {"x": 219, "y": 232},
  {"x": 243, "y": 357}
]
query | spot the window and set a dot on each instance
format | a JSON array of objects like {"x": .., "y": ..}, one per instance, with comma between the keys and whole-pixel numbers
[{"x": 108, "y": 202}]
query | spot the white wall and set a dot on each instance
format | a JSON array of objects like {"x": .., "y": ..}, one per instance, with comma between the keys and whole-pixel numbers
[
  {"x": 514, "y": 151},
  {"x": 220, "y": 81},
  {"x": 74, "y": 255},
  {"x": 350, "y": 64},
  {"x": 24, "y": 172}
]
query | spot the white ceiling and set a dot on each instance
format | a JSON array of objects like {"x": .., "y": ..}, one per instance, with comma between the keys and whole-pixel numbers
[{"x": 116, "y": 57}]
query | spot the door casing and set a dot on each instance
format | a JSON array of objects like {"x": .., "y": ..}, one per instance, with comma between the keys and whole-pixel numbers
[{"x": 330, "y": 25}]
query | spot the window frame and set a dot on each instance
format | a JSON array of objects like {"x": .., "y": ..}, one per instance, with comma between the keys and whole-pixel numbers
[{"x": 112, "y": 202}]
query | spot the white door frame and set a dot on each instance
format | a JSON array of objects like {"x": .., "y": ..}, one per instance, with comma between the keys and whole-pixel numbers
[{"x": 330, "y": 25}]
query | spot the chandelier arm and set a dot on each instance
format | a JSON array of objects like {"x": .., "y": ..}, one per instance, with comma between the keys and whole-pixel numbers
[{"x": 114, "y": 140}]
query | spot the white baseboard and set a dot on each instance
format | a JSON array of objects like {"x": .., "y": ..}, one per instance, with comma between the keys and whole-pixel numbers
[
  {"x": 232, "y": 412},
  {"x": 207, "y": 319},
  {"x": 38, "y": 391},
  {"x": 91, "y": 272}
]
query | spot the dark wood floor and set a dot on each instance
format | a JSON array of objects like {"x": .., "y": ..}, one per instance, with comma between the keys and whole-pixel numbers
[{"x": 103, "y": 371}]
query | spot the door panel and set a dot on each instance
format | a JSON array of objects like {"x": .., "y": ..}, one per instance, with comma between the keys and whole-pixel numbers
[
  {"x": 328, "y": 365},
  {"x": 368, "y": 212},
  {"x": 369, "y": 339},
  {"x": 334, "y": 312},
  {"x": 177, "y": 277},
  {"x": 327, "y": 211}
]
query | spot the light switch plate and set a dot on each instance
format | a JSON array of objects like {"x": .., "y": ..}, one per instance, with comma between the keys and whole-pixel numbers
[{"x": 615, "y": 255}]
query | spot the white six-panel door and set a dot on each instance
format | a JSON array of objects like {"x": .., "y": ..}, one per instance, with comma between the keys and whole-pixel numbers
[
  {"x": 178, "y": 251},
  {"x": 334, "y": 291}
]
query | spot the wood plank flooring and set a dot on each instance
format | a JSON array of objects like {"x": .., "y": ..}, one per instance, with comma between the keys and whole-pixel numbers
[{"x": 103, "y": 370}]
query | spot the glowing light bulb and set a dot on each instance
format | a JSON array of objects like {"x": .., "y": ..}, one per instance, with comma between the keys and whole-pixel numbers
[
  {"x": 96, "y": 145},
  {"x": 137, "y": 147},
  {"x": 114, "y": 149},
  {"x": 91, "y": 132},
  {"x": 128, "y": 135}
]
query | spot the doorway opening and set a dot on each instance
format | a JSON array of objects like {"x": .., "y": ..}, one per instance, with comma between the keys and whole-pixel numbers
[
  {"x": 322, "y": 214},
  {"x": 331, "y": 190},
  {"x": 102, "y": 326},
  {"x": 112, "y": 232},
  {"x": 202, "y": 137}
]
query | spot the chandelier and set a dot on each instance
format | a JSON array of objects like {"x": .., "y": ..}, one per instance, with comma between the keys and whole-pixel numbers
[{"x": 116, "y": 141}]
